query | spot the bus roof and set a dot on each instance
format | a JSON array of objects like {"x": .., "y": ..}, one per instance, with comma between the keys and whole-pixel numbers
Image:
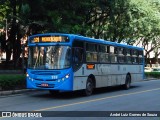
[
  {"x": 102, "y": 41},
  {"x": 87, "y": 39}
]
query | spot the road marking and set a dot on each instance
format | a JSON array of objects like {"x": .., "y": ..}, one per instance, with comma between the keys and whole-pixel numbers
[{"x": 94, "y": 100}]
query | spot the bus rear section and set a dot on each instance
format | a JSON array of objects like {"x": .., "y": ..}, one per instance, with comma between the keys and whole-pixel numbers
[{"x": 106, "y": 64}]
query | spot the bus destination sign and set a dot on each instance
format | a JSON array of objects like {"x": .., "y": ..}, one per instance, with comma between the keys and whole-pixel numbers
[{"x": 50, "y": 39}]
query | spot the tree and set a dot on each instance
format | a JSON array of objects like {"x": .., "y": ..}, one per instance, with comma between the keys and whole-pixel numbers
[
  {"x": 10, "y": 13},
  {"x": 129, "y": 21},
  {"x": 146, "y": 22}
]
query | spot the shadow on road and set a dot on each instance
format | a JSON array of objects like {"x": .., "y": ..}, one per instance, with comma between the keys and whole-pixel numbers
[{"x": 77, "y": 94}]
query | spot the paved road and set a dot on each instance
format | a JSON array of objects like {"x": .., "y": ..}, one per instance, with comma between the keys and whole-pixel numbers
[{"x": 143, "y": 96}]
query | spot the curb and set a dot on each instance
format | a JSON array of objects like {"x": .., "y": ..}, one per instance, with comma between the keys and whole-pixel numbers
[
  {"x": 10, "y": 92},
  {"x": 150, "y": 79}
]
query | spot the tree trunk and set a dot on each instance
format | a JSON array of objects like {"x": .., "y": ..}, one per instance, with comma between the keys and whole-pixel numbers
[{"x": 13, "y": 31}]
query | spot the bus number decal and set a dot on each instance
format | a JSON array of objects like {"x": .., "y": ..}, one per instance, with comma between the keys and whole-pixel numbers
[
  {"x": 54, "y": 77},
  {"x": 36, "y": 39}
]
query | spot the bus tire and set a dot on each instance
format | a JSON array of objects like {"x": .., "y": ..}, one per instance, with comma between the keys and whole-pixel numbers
[
  {"x": 89, "y": 87},
  {"x": 127, "y": 84},
  {"x": 54, "y": 92}
]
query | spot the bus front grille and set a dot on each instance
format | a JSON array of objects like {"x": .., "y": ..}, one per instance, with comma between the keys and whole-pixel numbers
[
  {"x": 46, "y": 79},
  {"x": 39, "y": 79}
]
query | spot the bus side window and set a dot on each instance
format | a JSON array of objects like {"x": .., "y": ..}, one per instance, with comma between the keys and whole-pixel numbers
[
  {"x": 140, "y": 57},
  {"x": 101, "y": 54},
  {"x": 134, "y": 56},
  {"x": 128, "y": 56},
  {"x": 91, "y": 52},
  {"x": 113, "y": 54},
  {"x": 121, "y": 53},
  {"x": 104, "y": 54}
]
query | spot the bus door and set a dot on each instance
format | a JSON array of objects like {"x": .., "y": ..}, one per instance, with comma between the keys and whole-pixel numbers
[{"x": 77, "y": 58}]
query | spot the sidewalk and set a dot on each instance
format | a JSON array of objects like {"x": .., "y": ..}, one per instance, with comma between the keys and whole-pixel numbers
[{"x": 10, "y": 92}]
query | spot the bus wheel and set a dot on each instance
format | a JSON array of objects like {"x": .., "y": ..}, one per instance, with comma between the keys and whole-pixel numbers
[
  {"x": 127, "y": 82},
  {"x": 54, "y": 92},
  {"x": 89, "y": 87}
]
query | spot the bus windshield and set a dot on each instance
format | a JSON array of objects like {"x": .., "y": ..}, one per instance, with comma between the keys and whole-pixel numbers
[{"x": 49, "y": 57}]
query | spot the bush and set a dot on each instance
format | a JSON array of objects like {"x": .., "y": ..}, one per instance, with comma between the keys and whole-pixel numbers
[
  {"x": 152, "y": 74},
  {"x": 12, "y": 81}
]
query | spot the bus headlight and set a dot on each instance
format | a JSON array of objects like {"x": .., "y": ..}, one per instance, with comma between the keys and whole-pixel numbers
[
  {"x": 67, "y": 76},
  {"x": 63, "y": 79},
  {"x": 27, "y": 75},
  {"x": 30, "y": 78},
  {"x": 59, "y": 80}
]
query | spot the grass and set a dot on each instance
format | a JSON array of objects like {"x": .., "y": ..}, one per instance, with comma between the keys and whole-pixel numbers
[
  {"x": 12, "y": 81},
  {"x": 152, "y": 74}
]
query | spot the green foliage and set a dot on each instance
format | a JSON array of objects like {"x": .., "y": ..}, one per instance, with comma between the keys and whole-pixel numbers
[
  {"x": 119, "y": 20},
  {"x": 116, "y": 20},
  {"x": 146, "y": 23},
  {"x": 130, "y": 21},
  {"x": 152, "y": 74},
  {"x": 12, "y": 81},
  {"x": 4, "y": 11}
]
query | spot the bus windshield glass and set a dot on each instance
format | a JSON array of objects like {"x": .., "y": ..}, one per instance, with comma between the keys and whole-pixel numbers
[{"x": 49, "y": 57}]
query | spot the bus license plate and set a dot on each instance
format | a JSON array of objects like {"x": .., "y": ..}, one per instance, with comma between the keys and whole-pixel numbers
[{"x": 44, "y": 85}]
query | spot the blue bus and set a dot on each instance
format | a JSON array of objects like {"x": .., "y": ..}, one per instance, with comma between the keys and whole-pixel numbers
[{"x": 67, "y": 62}]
